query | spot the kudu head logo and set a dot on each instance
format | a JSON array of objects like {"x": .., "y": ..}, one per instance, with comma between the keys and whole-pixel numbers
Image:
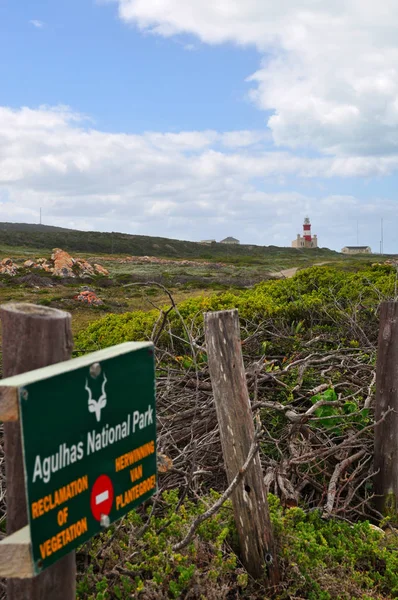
[{"x": 95, "y": 406}]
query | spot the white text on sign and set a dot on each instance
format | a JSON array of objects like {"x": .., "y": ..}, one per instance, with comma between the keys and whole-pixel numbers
[{"x": 96, "y": 441}]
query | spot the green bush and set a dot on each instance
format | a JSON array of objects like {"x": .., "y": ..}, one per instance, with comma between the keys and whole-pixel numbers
[
  {"x": 319, "y": 559},
  {"x": 314, "y": 295}
]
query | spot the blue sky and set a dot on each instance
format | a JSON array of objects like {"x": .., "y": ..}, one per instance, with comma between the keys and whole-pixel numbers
[
  {"x": 201, "y": 120},
  {"x": 86, "y": 58}
]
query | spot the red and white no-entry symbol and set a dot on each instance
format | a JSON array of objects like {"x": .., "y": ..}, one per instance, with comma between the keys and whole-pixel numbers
[{"x": 101, "y": 499}]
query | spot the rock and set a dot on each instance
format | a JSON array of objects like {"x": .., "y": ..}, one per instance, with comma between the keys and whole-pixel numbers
[
  {"x": 85, "y": 269},
  {"x": 165, "y": 463},
  {"x": 101, "y": 270},
  {"x": 375, "y": 528},
  {"x": 63, "y": 263},
  {"x": 8, "y": 270},
  {"x": 47, "y": 267},
  {"x": 391, "y": 531},
  {"x": 89, "y": 297},
  {"x": 41, "y": 263},
  {"x": 8, "y": 267}
]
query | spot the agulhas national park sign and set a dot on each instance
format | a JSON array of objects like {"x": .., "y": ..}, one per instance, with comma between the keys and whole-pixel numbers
[{"x": 88, "y": 430}]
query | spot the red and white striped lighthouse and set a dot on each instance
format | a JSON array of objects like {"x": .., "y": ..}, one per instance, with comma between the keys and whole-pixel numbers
[
  {"x": 307, "y": 240},
  {"x": 307, "y": 230}
]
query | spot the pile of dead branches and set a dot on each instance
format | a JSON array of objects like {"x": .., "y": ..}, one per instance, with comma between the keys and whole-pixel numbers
[
  {"x": 309, "y": 457},
  {"x": 305, "y": 460},
  {"x": 2, "y": 482}
]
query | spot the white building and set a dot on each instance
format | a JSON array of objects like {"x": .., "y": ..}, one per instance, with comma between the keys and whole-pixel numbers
[{"x": 356, "y": 250}]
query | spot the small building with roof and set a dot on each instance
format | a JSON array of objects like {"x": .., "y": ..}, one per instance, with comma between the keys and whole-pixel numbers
[
  {"x": 356, "y": 250},
  {"x": 230, "y": 240}
]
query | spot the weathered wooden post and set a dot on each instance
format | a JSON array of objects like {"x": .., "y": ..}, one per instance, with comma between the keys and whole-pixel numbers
[
  {"x": 386, "y": 432},
  {"x": 33, "y": 337},
  {"x": 237, "y": 432}
]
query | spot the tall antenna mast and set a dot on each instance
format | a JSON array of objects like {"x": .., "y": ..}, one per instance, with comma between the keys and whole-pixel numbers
[
  {"x": 40, "y": 215},
  {"x": 381, "y": 238}
]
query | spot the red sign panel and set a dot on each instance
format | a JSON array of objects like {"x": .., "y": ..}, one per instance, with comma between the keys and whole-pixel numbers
[{"x": 101, "y": 497}]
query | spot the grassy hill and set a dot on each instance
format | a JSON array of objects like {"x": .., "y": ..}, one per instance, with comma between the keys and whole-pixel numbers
[{"x": 48, "y": 237}]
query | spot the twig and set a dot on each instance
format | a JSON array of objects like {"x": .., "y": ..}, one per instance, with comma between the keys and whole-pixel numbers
[
  {"x": 332, "y": 489},
  {"x": 217, "y": 505}
]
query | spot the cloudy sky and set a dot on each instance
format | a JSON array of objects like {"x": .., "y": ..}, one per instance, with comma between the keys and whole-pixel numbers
[{"x": 199, "y": 119}]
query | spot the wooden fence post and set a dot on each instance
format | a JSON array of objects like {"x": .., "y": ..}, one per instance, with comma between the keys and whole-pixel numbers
[
  {"x": 386, "y": 432},
  {"x": 33, "y": 337},
  {"x": 237, "y": 432}
]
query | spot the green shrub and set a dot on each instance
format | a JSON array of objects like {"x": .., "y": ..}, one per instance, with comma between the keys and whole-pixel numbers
[
  {"x": 44, "y": 301},
  {"x": 315, "y": 295},
  {"x": 319, "y": 559}
]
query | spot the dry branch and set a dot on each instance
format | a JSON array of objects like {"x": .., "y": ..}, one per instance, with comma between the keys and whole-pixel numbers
[{"x": 223, "y": 498}]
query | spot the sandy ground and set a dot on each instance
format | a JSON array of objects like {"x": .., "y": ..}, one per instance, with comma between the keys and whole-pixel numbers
[
  {"x": 291, "y": 272},
  {"x": 288, "y": 272}
]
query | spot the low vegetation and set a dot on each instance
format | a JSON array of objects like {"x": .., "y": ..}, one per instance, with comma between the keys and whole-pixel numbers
[
  {"x": 319, "y": 560},
  {"x": 43, "y": 236},
  {"x": 309, "y": 346},
  {"x": 315, "y": 297}
]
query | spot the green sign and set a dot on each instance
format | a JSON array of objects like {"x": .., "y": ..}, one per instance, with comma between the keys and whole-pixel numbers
[{"x": 89, "y": 442}]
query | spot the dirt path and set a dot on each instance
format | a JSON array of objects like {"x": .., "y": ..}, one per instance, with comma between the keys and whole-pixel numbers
[
  {"x": 288, "y": 272},
  {"x": 292, "y": 272}
]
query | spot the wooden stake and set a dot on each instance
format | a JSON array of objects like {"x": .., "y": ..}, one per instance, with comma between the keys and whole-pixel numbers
[
  {"x": 386, "y": 432},
  {"x": 9, "y": 409},
  {"x": 235, "y": 420},
  {"x": 33, "y": 337},
  {"x": 15, "y": 555}
]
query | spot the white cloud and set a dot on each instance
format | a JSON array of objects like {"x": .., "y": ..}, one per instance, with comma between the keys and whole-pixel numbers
[
  {"x": 329, "y": 72},
  {"x": 36, "y": 23},
  {"x": 188, "y": 185}
]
